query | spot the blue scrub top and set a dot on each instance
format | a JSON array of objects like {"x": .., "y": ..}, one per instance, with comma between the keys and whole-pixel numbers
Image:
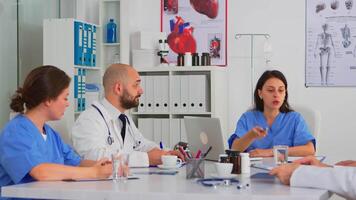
[
  {"x": 22, "y": 147},
  {"x": 287, "y": 129}
]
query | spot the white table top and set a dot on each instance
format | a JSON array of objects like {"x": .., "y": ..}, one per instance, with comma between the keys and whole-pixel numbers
[{"x": 162, "y": 187}]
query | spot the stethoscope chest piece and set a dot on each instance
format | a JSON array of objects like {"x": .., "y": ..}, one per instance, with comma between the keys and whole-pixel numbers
[{"x": 110, "y": 140}]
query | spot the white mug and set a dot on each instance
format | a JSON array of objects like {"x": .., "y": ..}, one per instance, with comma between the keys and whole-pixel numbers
[
  {"x": 170, "y": 160},
  {"x": 223, "y": 169}
]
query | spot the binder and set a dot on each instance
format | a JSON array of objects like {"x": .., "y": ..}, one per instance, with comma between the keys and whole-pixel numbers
[
  {"x": 157, "y": 94},
  {"x": 79, "y": 99},
  {"x": 88, "y": 48},
  {"x": 175, "y": 131},
  {"x": 76, "y": 89},
  {"x": 193, "y": 93},
  {"x": 93, "y": 43},
  {"x": 175, "y": 100},
  {"x": 184, "y": 93},
  {"x": 83, "y": 102},
  {"x": 85, "y": 45},
  {"x": 166, "y": 133},
  {"x": 165, "y": 93},
  {"x": 145, "y": 125},
  {"x": 157, "y": 128},
  {"x": 202, "y": 97},
  {"x": 183, "y": 133},
  {"x": 78, "y": 43},
  {"x": 142, "y": 105},
  {"x": 149, "y": 93}
]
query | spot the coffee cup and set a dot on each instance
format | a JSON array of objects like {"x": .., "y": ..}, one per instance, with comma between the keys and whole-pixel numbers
[
  {"x": 223, "y": 169},
  {"x": 170, "y": 160}
]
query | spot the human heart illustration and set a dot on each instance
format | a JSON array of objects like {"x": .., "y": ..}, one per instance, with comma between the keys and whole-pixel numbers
[
  {"x": 181, "y": 39},
  {"x": 206, "y": 7}
]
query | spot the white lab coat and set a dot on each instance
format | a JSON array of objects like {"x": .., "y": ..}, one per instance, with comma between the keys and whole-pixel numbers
[
  {"x": 338, "y": 179},
  {"x": 90, "y": 134}
]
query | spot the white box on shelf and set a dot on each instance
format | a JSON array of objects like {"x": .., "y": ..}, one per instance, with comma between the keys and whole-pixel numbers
[
  {"x": 143, "y": 58},
  {"x": 147, "y": 40}
]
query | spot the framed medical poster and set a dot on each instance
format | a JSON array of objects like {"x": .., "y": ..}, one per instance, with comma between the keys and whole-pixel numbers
[
  {"x": 330, "y": 43},
  {"x": 196, "y": 26}
]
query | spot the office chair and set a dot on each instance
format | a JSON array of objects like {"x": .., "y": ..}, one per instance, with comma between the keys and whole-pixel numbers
[{"x": 312, "y": 118}]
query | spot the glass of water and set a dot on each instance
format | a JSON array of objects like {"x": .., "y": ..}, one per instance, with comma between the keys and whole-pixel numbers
[
  {"x": 280, "y": 154},
  {"x": 120, "y": 169}
]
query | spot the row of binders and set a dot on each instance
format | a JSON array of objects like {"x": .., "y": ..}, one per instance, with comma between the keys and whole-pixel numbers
[
  {"x": 163, "y": 130},
  {"x": 85, "y": 44},
  {"x": 79, "y": 89},
  {"x": 188, "y": 94}
]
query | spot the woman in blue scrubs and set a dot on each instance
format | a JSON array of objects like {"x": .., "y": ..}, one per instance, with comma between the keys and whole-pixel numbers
[
  {"x": 272, "y": 122},
  {"x": 30, "y": 149}
]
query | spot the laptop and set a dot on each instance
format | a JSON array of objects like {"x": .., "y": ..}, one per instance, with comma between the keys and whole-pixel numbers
[{"x": 203, "y": 132}]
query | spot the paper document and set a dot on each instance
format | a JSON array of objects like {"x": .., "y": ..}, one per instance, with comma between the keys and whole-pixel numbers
[
  {"x": 266, "y": 167},
  {"x": 131, "y": 177},
  {"x": 293, "y": 158}
]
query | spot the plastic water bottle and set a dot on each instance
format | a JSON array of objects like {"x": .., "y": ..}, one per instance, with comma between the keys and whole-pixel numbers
[{"x": 111, "y": 32}]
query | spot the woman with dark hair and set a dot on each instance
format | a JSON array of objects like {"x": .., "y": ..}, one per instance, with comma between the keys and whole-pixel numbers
[
  {"x": 272, "y": 122},
  {"x": 30, "y": 149}
]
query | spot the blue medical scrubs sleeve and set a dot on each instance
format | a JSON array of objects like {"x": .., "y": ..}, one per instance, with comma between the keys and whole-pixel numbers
[
  {"x": 19, "y": 153},
  {"x": 241, "y": 129},
  {"x": 302, "y": 134},
  {"x": 69, "y": 155}
]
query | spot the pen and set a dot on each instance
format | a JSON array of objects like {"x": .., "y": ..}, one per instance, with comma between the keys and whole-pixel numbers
[
  {"x": 198, "y": 154},
  {"x": 160, "y": 145},
  {"x": 206, "y": 153}
]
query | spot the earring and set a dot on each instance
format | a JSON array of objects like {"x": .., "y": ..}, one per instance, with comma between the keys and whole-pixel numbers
[{"x": 261, "y": 98}]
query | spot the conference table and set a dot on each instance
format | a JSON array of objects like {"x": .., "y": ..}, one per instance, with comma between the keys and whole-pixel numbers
[{"x": 156, "y": 187}]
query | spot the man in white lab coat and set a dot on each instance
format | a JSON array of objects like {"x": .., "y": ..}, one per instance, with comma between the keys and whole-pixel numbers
[
  {"x": 103, "y": 128},
  {"x": 310, "y": 172}
]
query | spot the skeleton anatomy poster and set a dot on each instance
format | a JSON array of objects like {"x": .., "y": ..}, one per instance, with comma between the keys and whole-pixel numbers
[
  {"x": 330, "y": 43},
  {"x": 195, "y": 26}
]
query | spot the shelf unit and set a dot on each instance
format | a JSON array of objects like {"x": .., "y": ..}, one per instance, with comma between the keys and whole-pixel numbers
[
  {"x": 59, "y": 50},
  {"x": 59, "y": 47},
  {"x": 117, "y": 10},
  {"x": 215, "y": 94}
]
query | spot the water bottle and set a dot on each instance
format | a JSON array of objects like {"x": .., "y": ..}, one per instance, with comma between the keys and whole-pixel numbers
[{"x": 111, "y": 32}]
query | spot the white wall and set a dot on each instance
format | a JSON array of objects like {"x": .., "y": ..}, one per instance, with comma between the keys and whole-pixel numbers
[
  {"x": 31, "y": 15},
  {"x": 8, "y": 56},
  {"x": 285, "y": 22}
]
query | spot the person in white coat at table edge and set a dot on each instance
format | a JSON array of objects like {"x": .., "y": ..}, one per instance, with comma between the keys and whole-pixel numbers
[
  {"x": 103, "y": 129},
  {"x": 310, "y": 172}
]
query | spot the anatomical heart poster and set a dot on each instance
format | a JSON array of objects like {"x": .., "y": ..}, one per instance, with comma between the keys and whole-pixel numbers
[{"x": 195, "y": 26}]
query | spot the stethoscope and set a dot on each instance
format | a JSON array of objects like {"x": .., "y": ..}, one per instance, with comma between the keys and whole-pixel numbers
[
  {"x": 110, "y": 139},
  {"x": 214, "y": 182}
]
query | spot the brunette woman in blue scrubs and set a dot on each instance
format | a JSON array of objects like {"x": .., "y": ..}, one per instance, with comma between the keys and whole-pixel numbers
[
  {"x": 272, "y": 122},
  {"x": 30, "y": 149}
]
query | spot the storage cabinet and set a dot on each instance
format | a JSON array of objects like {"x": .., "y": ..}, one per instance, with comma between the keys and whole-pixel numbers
[{"x": 170, "y": 93}]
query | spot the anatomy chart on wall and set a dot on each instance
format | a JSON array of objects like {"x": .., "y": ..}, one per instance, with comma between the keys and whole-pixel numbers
[
  {"x": 195, "y": 26},
  {"x": 330, "y": 43}
]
